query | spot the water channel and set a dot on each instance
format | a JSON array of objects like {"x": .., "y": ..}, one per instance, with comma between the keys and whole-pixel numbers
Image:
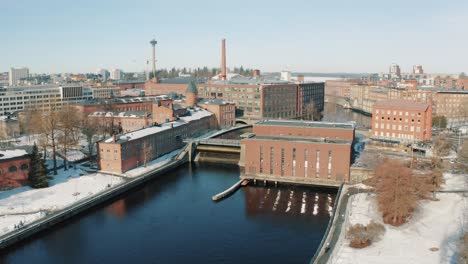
[{"x": 173, "y": 220}]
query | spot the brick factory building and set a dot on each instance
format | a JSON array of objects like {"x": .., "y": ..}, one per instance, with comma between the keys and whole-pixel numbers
[
  {"x": 225, "y": 112},
  {"x": 254, "y": 98},
  {"x": 401, "y": 120},
  {"x": 123, "y": 121},
  {"x": 295, "y": 151},
  {"x": 121, "y": 153},
  {"x": 453, "y": 105},
  {"x": 116, "y": 105},
  {"x": 14, "y": 168}
]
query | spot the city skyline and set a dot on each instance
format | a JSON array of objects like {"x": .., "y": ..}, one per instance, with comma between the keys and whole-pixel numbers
[{"x": 302, "y": 36}]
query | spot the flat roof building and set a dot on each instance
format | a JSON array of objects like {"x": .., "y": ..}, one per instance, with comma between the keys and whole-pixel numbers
[
  {"x": 401, "y": 120},
  {"x": 305, "y": 152}
]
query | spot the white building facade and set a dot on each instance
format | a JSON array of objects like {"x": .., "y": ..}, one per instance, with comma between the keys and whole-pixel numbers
[{"x": 15, "y": 75}]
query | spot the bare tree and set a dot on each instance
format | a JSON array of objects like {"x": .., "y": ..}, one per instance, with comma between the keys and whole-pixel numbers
[
  {"x": 369, "y": 160},
  {"x": 362, "y": 236},
  {"x": 310, "y": 112},
  {"x": 49, "y": 126},
  {"x": 398, "y": 191},
  {"x": 89, "y": 128},
  {"x": 442, "y": 146},
  {"x": 69, "y": 130}
]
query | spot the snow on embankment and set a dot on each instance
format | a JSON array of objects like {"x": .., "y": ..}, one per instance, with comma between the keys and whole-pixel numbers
[
  {"x": 435, "y": 224},
  {"x": 26, "y": 204}
]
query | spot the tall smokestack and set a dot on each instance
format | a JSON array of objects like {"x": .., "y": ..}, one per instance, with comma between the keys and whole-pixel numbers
[
  {"x": 223, "y": 59},
  {"x": 153, "y": 43}
]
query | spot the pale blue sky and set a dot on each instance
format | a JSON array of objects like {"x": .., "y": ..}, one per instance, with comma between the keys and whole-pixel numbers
[{"x": 309, "y": 35}]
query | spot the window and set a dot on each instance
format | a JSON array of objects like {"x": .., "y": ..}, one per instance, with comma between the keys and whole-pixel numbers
[
  {"x": 271, "y": 160},
  {"x": 317, "y": 166},
  {"x": 329, "y": 163},
  {"x": 282, "y": 161},
  {"x": 24, "y": 166},
  {"x": 294, "y": 163},
  {"x": 306, "y": 158},
  {"x": 12, "y": 168}
]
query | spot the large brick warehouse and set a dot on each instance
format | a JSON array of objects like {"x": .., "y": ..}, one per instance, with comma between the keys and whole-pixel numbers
[{"x": 298, "y": 152}]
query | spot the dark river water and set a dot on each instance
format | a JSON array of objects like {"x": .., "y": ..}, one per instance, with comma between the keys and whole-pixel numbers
[
  {"x": 336, "y": 113},
  {"x": 173, "y": 220}
]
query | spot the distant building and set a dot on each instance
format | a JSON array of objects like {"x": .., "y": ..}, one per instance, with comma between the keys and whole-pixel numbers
[
  {"x": 395, "y": 71},
  {"x": 15, "y": 75},
  {"x": 312, "y": 93},
  {"x": 14, "y": 168},
  {"x": 418, "y": 69},
  {"x": 453, "y": 105},
  {"x": 41, "y": 97},
  {"x": 104, "y": 74},
  {"x": 225, "y": 112},
  {"x": 105, "y": 92},
  {"x": 401, "y": 121},
  {"x": 298, "y": 152},
  {"x": 116, "y": 74},
  {"x": 123, "y": 122},
  {"x": 285, "y": 76}
]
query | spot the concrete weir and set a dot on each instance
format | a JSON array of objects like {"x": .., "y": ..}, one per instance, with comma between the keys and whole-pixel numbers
[{"x": 227, "y": 192}]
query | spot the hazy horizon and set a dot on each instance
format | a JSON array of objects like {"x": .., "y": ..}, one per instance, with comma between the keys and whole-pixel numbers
[{"x": 54, "y": 36}]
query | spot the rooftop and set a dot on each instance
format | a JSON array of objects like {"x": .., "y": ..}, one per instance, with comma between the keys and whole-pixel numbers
[
  {"x": 12, "y": 153},
  {"x": 195, "y": 114},
  {"x": 133, "y": 114},
  {"x": 401, "y": 104},
  {"x": 212, "y": 101},
  {"x": 302, "y": 123},
  {"x": 300, "y": 139}
]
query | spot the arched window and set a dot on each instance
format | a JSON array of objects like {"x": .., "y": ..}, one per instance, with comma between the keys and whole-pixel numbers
[
  {"x": 24, "y": 166},
  {"x": 12, "y": 168}
]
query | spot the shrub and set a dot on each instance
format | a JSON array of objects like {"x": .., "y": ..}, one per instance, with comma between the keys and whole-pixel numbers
[{"x": 362, "y": 236}]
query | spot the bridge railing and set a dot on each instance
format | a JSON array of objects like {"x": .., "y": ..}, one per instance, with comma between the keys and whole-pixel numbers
[{"x": 216, "y": 142}]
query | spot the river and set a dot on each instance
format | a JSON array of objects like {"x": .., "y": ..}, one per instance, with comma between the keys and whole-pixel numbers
[
  {"x": 173, "y": 220},
  {"x": 336, "y": 113}
]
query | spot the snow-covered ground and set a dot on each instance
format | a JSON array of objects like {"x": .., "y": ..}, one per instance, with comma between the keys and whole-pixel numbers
[
  {"x": 435, "y": 224},
  {"x": 27, "y": 204}
]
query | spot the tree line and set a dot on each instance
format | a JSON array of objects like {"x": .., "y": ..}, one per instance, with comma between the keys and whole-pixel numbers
[
  {"x": 199, "y": 72},
  {"x": 59, "y": 130}
]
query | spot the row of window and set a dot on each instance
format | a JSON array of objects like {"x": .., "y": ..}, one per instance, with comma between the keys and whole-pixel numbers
[
  {"x": 306, "y": 162},
  {"x": 13, "y": 168},
  {"x": 395, "y": 112}
]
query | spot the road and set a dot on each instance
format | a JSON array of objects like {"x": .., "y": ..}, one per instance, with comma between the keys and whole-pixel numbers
[{"x": 341, "y": 216}]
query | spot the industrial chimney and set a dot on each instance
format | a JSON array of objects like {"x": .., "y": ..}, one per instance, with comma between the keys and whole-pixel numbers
[{"x": 223, "y": 59}]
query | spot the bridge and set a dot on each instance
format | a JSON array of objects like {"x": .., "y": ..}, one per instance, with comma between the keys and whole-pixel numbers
[{"x": 214, "y": 150}]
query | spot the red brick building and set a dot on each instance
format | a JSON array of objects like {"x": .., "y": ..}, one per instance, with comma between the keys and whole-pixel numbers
[
  {"x": 116, "y": 105},
  {"x": 225, "y": 112},
  {"x": 401, "y": 120},
  {"x": 298, "y": 152},
  {"x": 125, "y": 152},
  {"x": 14, "y": 168}
]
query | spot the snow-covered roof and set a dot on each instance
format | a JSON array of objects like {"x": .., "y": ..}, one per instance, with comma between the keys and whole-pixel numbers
[
  {"x": 13, "y": 153},
  {"x": 195, "y": 114}
]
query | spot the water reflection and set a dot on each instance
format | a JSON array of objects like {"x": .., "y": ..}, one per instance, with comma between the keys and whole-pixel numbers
[
  {"x": 290, "y": 201},
  {"x": 336, "y": 113}
]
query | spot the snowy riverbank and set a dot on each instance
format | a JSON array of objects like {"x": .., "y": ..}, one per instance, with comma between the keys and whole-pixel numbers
[
  {"x": 26, "y": 204},
  {"x": 435, "y": 224}
]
